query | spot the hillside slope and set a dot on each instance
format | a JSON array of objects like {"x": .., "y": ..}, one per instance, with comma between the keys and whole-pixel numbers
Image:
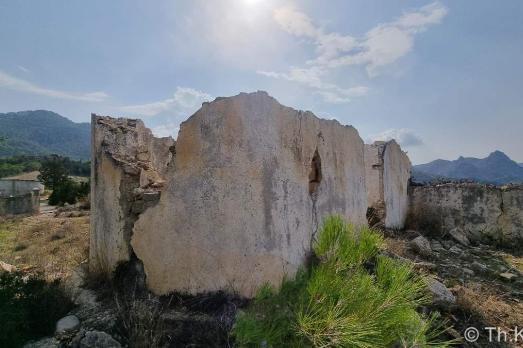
[
  {"x": 43, "y": 132},
  {"x": 497, "y": 168}
]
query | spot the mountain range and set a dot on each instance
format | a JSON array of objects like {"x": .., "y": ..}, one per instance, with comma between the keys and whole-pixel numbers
[
  {"x": 43, "y": 132},
  {"x": 496, "y": 168}
]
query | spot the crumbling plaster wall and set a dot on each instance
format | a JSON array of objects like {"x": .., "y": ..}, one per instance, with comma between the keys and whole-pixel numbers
[
  {"x": 240, "y": 197},
  {"x": 485, "y": 213},
  {"x": 251, "y": 181},
  {"x": 126, "y": 170},
  {"x": 388, "y": 171}
]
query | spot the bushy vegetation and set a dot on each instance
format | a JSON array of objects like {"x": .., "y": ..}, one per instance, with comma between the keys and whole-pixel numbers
[
  {"x": 29, "y": 308},
  {"x": 16, "y": 165},
  {"x": 69, "y": 192},
  {"x": 54, "y": 174},
  {"x": 10, "y": 166},
  {"x": 350, "y": 297}
]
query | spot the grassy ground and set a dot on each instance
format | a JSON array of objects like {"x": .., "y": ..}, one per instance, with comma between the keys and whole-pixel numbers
[{"x": 44, "y": 243}]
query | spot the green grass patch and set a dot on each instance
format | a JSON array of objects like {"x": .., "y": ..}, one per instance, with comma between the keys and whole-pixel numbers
[
  {"x": 7, "y": 236},
  {"x": 350, "y": 297}
]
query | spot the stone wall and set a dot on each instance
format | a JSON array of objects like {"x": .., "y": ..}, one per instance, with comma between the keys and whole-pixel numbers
[
  {"x": 484, "y": 213},
  {"x": 126, "y": 169},
  {"x": 239, "y": 203},
  {"x": 28, "y": 203},
  {"x": 387, "y": 178},
  {"x": 13, "y": 187}
]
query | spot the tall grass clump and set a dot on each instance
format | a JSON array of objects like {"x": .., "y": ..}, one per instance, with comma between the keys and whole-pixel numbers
[{"x": 350, "y": 297}]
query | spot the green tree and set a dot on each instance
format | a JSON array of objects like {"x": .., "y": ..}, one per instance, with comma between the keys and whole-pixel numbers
[{"x": 53, "y": 171}]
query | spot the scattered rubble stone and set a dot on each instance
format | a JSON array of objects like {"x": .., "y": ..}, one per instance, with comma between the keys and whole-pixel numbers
[
  {"x": 441, "y": 295},
  {"x": 459, "y": 236},
  {"x": 455, "y": 250},
  {"x": 47, "y": 342},
  {"x": 508, "y": 276},
  {"x": 447, "y": 244},
  {"x": 67, "y": 324},
  {"x": 436, "y": 246},
  {"x": 468, "y": 271},
  {"x": 96, "y": 339},
  {"x": 421, "y": 245},
  {"x": 478, "y": 267}
]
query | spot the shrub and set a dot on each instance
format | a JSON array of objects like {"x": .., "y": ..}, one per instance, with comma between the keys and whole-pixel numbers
[
  {"x": 350, "y": 297},
  {"x": 69, "y": 192},
  {"x": 29, "y": 308}
]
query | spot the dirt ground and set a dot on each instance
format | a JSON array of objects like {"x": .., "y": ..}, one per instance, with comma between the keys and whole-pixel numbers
[
  {"x": 43, "y": 243},
  {"x": 483, "y": 298}
]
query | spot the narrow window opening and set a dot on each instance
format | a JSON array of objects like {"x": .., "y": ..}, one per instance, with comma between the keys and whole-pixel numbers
[{"x": 315, "y": 174}]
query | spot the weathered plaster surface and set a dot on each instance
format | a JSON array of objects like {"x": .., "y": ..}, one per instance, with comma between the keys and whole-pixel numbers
[
  {"x": 387, "y": 178},
  {"x": 484, "y": 213},
  {"x": 127, "y": 164},
  {"x": 250, "y": 183},
  {"x": 396, "y": 175}
]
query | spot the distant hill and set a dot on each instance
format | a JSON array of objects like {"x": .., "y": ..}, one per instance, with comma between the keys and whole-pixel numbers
[
  {"x": 497, "y": 168},
  {"x": 42, "y": 132}
]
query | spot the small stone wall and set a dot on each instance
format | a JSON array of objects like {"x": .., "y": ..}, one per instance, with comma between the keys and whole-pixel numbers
[
  {"x": 28, "y": 203},
  {"x": 484, "y": 213},
  {"x": 13, "y": 187}
]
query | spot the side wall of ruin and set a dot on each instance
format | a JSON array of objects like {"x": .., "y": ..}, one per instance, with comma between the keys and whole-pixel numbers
[
  {"x": 484, "y": 213},
  {"x": 387, "y": 179}
]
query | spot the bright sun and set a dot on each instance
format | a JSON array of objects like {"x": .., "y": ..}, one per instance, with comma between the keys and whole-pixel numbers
[{"x": 251, "y": 2}]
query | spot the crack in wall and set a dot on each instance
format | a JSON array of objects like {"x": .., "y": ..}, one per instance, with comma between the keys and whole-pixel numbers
[{"x": 315, "y": 177}]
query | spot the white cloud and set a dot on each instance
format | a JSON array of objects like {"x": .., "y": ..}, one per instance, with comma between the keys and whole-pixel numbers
[
  {"x": 380, "y": 46},
  {"x": 296, "y": 23},
  {"x": 312, "y": 77},
  {"x": 23, "y": 68},
  {"x": 403, "y": 136},
  {"x": 183, "y": 99},
  {"x": 16, "y": 84},
  {"x": 166, "y": 130}
]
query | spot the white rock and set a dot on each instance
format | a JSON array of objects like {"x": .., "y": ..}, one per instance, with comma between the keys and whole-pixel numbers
[{"x": 67, "y": 324}]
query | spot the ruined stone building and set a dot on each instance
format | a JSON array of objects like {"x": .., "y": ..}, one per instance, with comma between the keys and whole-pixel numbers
[
  {"x": 19, "y": 196},
  {"x": 236, "y": 200}
]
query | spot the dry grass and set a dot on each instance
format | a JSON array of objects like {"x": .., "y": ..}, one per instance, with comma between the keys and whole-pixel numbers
[
  {"x": 515, "y": 262},
  {"x": 489, "y": 305},
  {"x": 397, "y": 247},
  {"x": 40, "y": 243}
]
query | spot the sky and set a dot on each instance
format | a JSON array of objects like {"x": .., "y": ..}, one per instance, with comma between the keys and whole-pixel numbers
[{"x": 444, "y": 78}]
